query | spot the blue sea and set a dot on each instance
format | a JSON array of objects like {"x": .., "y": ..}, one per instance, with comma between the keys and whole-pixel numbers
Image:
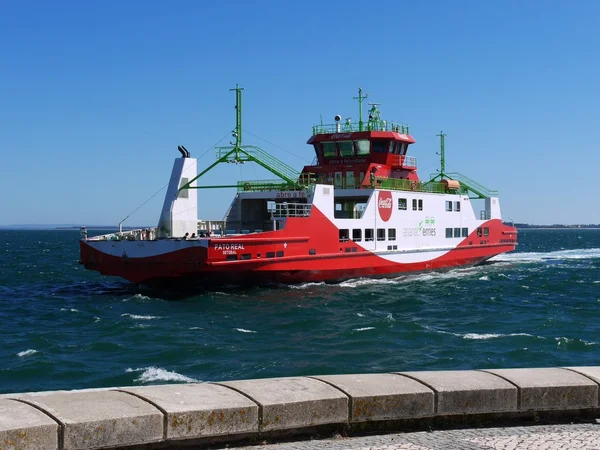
[{"x": 63, "y": 327}]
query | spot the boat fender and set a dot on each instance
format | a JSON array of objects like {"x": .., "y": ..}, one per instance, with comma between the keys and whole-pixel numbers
[{"x": 413, "y": 185}]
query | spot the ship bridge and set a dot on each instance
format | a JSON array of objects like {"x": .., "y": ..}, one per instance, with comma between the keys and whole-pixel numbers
[{"x": 356, "y": 154}]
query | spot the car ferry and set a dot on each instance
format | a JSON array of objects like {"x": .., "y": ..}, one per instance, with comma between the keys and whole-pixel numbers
[{"x": 359, "y": 210}]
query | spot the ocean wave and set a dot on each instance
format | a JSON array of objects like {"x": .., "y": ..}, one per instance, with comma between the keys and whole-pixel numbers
[
  {"x": 484, "y": 278},
  {"x": 364, "y": 329},
  {"x": 138, "y": 317},
  {"x": 242, "y": 330},
  {"x": 28, "y": 352},
  {"x": 137, "y": 297},
  {"x": 567, "y": 341},
  {"x": 151, "y": 374},
  {"x": 559, "y": 255}
]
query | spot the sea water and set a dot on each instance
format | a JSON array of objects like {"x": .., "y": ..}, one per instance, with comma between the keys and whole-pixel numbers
[{"x": 62, "y": 327}]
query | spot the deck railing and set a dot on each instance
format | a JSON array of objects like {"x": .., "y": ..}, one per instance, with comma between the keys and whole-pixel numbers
[
  {"x": 353, "y": 127},
  {"x": 286, "y": 209}
]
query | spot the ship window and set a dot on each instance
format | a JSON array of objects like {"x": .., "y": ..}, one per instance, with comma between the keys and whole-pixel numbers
[
  {"x": 380, "y": 146},
  {"x": 414, "y": 204},
  {"x": 185, "y": 193},
  {"x": 279, "y": 254},
  {"x": 448, "y": 206},
  {"x": 357, "y": 235},
  {"x": 270, "y": 254},
  {"x": 420, "y": 205},
  {"x": 344, "y": 235},
  {"x": 465, "y": 232},
  {"x": 246, "y": 256},
  {"x": 391, "y": 234},
  {"x": 231, "y": 258},
  {"x": 448, "y": 232},
  {"x": 354, "y": 250},
  {"x": 402, "y": 204},
  {"x": 394, "y": 247},
  {"x": 397, "y": 147},
  {"x": 389, "y": 247},
  {"x": 486, "y": 231},
  {"x": 346, "y": 148},
  {"x": 317, "y": 149},
  {"x": 369, "y": 234},
  {"x": 312, "y": 251},
  {"x": 457, "y": 232},
  {"x": 381, "y": 234},
  {"x": 329, "y": 149},
  {"x": 391, "y": 148},
  {"x": 362, "y": 147},
  {"x": 457, "y": 206},
  {"x": 479, "y": 231},
  {"x": 348, "y": 249}
]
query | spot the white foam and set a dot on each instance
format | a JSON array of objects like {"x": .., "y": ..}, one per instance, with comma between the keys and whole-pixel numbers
[
  {"x": 566, "y": 340},
  {"x": 72, "y": 309},
  {"x": 135, "y": 316},
  {"x": 27, "y": 352},
  {"x": 484, "y": 278},
  {"x": 242, "y": 330},
  {"x": 360, "y": 315},
  {"x": 305, "y": 285},
  {"x": 364, "y": 329},
  {"x": 492, "y": 335},
  {"x": 151, "y": 374},
  {"x": 588, "y": 253}
]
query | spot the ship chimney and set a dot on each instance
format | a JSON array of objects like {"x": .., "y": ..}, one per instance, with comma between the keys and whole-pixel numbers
[{"x": 338, "y": 125}]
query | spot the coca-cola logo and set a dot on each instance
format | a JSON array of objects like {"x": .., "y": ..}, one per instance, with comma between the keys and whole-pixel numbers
[{"x": 384, "y": 205}]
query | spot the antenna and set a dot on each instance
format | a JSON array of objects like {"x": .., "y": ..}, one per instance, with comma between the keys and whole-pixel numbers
[
  {"x": 360, "y": 99},
  {"x": 442, "y": 155}
]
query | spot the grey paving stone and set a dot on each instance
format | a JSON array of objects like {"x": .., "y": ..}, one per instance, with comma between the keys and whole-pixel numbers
[
  {"x": 26, "y": 428},
  {"x": 102, "y": 418},
  {"x": 294, "y": 402},
  {"x": 383, "y": 396},
  {"x": 200, "y": 410},
  {"x": 551, "y": 388},
  {"x": 468, "y": 391}
]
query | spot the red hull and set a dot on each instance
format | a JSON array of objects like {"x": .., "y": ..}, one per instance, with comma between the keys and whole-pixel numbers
[{"x": 334, "y": 261}]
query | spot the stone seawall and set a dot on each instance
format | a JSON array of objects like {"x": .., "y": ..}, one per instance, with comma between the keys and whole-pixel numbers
[{"x": 171, "y": 416}]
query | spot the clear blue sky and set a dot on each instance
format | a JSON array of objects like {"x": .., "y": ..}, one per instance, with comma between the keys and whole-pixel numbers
[{"x": 96, "y": 96}]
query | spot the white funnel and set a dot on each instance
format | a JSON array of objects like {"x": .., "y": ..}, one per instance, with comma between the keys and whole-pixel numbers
[{"x": 179, "y": 213}]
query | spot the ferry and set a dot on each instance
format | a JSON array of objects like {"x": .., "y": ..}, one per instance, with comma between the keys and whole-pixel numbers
[{"x": 359, "y": 210}]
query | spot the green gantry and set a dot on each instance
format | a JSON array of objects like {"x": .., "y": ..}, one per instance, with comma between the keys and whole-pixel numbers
[{"x": 239, "y": 154}]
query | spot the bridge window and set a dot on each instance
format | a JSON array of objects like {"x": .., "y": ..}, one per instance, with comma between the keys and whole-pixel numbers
[
  {"x": 318, "y": 151},
  {"x": 346, "y": 148},
  {"x": 381, "y": 146},
  {"x": 362, "y": 147},
  {"x": 402, "y": 204},
  {"x": 329, "y": 149},
  {"x": 486, "y": 231}
]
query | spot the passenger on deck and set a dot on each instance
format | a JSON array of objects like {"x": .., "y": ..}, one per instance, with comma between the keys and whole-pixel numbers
[
  {"x": 186, "y": 236},
  {"x": 193, "y": 235}
]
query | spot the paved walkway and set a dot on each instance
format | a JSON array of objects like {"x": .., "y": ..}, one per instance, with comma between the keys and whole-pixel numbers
[{"x": 542, "y": 437}]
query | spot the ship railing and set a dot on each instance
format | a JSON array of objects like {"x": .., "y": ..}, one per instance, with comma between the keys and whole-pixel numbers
[
  {"x": 403, "y": 161},
  {"x": 142, "y": 234},
  {"x": 287, "y": 209},
  {"x": 265, "y": 185},
  {"x": 353, "y": 127},
  {"x": 411, "y": 185}
]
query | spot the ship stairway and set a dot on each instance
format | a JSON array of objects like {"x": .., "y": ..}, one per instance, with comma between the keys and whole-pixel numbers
[
  {"x": 264, "y": 159},
  {"x": 472, "y": 185}
]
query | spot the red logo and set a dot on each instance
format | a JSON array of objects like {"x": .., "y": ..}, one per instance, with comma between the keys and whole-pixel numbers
[{"x": 384, "y": 205}]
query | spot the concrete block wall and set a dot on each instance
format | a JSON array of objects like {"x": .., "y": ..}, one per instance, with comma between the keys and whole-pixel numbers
[{"x": 171, "y": 415}]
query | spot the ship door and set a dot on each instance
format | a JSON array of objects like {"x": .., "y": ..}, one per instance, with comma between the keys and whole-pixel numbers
[
  {"x": 338, "y": 180},
  {"x": 350, "y": 180}
]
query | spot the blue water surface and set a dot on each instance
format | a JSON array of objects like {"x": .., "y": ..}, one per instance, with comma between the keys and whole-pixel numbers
[{"x": 63, "y": 327}]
